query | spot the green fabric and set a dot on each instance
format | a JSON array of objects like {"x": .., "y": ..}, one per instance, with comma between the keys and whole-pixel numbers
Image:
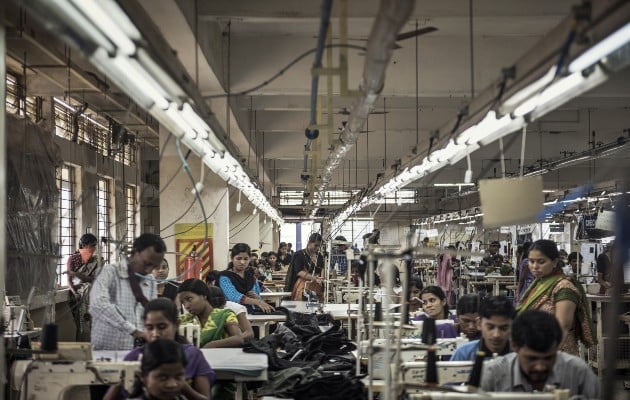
[
  {"x": 219, "y": 317},
  {"x": 214, "y": 328},
  {"x": 538, "y": 288},
  {"x": 584, "y": 329}
]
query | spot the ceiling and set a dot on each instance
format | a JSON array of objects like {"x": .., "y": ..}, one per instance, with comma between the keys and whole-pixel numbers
[
  {"x": 246, "y": 44},
  {"x": 232, "y": 46}
]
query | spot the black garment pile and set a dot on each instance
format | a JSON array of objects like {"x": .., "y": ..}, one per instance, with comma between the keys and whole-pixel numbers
[{"x": 310, "y": 356}]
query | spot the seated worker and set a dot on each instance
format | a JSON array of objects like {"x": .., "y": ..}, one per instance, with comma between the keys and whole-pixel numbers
[
  {"x": 217, "y": 300},
  {"x": 574, "y": 259},
  {"x": 415, "y": 289},
  {"x": 434, "y": 306},
  {"x": 160, "y": 322},
  {"x": 496, "y": 314},
  {"x": 536, "y": 364},
  {"x": 162, "y": 372},
  {"x": 219, "y": 326},
  {"x": 468, "y": 316}
]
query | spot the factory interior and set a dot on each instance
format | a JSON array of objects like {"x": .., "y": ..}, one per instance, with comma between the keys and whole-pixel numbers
[{"x": 340, "y": 199}]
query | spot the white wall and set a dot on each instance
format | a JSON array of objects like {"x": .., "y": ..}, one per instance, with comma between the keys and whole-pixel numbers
[{"x": 177, "y": 197}]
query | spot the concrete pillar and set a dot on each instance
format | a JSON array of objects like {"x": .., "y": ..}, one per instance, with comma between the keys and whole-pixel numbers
[
  {"x": 176, "y": 198},
  {"x": 244, "y": 224}
]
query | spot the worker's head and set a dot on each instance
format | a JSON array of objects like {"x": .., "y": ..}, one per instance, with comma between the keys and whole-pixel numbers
[
  {"x": 147, "y": 253},
  {"x": 468, "y": 315},
  {"x": 314, "y": 242},
  {"x": 543, "y": 258},
  {"x": 272, "y": 258},
  {"x": 161, "y": 319},
  {"x": 217, "y": 298},
  {"x": 161, "y": 272},
  {"x": 434, "y": 302},
  {"x": 162, "y": 370},
  {"x": 495, "y": 322},
  {"x": 212, "y": 278},
  {"x": 494, "y": 247},
  {"x": 283, "y": 248},
  {"x": 87, "y": 247},
  {"x": 240, "y": 256},
  {"x": 88, "y": 240},
  {"x": 194, "y": 296},
  {"x": 536, "y": 336},
  {"x": 574, "y": 259}
]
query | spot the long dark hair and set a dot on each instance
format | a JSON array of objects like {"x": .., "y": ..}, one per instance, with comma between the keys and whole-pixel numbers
[
  {"x": 169, "y": 309},
  {"x": 155, "y": 354},
  {"x": 437, "y": 292},
  {"x": 240, "y": 248},
  {"x": 547, "y": 247},
  {"x": 195, "y": 286}
]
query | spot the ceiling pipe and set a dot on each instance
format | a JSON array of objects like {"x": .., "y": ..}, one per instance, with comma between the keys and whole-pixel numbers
[{"x": 392, "y": 15}]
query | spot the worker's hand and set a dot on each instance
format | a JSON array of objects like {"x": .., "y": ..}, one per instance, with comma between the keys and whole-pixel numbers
[
  {"x": 266, "y": 308},
  {"x": 251, "y": 294},
  {"x": 140, "y": 335}
]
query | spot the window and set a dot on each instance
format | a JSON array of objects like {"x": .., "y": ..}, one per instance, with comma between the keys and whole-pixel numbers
[
  {"x": 17, "y": 103},
  {"x": 94, "y": 130},
  {"x": 104, "y": 212},
  {"x": 131, "y": 213},
  {"x": 66, "y": 184}
]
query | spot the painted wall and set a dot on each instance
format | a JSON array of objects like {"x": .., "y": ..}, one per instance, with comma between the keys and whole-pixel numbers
[{"x": 177, "y": 197}]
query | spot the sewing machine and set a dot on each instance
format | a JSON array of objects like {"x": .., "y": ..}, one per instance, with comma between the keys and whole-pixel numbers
[
  {"x": 191, "y": 332},
  {"x": 449, "y": 372},
  {"x": 52, "y": 380},
  {"x": 410, "y": 350}
]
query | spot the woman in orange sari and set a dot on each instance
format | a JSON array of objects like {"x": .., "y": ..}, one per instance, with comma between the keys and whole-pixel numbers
[
  {"x": 304, "y": 272},
  {"x": 558, "y": 294}
]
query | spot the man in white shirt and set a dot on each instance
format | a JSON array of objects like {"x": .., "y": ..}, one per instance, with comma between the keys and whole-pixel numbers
[{"x": 119, "y": 293}]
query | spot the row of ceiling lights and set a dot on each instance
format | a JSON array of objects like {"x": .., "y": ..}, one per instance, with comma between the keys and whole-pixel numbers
[{"x": 112, "y": 42}]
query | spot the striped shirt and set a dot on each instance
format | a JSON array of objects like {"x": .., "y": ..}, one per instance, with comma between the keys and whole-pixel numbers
[{"x": 114, "y": 309}]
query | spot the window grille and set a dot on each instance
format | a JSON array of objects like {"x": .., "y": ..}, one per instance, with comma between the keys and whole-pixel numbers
[
  {"x": 66, "y": 184},
  {"x": 91, "y": 129},
  {"x": 104, "y": 213},
  {"x": 17, "y": 103},
  {"x": 131, "y": 213}
]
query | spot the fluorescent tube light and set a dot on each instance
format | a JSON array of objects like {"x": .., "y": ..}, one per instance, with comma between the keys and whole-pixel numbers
[
  {"x": 105, "y": 24},
  {"x": 84, "y": 27},
  {"x": 601, "y": 49},
  {"x": 537, "y": 172},
  {"x": 125, "y": 75},
  {"x": 575, "y": 160},
  {"x": 528, "y": 91},
  {"x": 453, "y": 184}
]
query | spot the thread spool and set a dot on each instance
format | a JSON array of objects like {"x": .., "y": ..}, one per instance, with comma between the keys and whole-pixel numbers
[
  {"x": 49, "y": 337},
  {"x": 431, "y": 376},
  {"x": 429, "y": 335},
  {"x": 475, "y": 375},
  {"x": 378, "y": 311}
]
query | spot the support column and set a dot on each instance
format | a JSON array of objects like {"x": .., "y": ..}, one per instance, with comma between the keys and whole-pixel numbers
[{"x": 178, "y": 204}]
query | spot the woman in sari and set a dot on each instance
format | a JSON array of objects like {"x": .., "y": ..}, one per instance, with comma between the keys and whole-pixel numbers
[
  {"x": 219, "y": 326},
  {"x": 239, "y": 284},
  {"x": 304, "y": 272},
  {"x": 82, "y": 268},
  {"x": 558, "y": 294}
]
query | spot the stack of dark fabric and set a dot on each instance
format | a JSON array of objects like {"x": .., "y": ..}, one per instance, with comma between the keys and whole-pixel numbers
[{"x": 309, "y": 353}]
